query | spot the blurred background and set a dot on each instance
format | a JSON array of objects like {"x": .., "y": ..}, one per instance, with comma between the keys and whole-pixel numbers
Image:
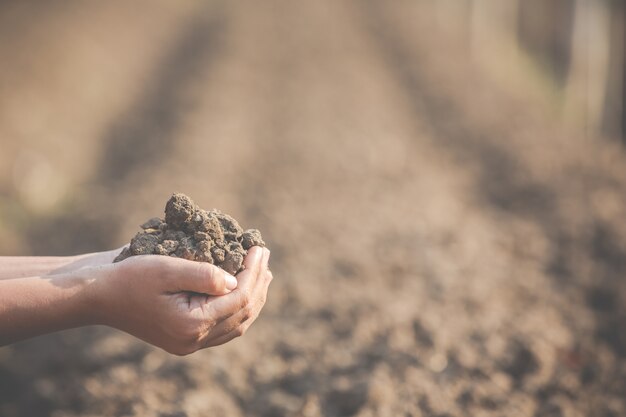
[{"x": 441, "y": 184}]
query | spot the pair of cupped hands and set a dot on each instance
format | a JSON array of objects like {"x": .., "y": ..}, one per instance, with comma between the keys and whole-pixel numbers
[
  {"x": 182, "y": 306},
  {"x": 178, "y": 305}
]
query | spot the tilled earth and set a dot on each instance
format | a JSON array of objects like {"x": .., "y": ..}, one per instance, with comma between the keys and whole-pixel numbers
[{"x": 441, "y": 247}]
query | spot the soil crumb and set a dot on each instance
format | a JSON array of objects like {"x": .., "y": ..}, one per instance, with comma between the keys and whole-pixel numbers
[{"x": 192, "y": 233}]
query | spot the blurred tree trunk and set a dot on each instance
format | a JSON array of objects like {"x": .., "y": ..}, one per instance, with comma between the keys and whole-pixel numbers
[
  {"x": 623, "y": 49},
  {"x": 576, "y": 46},
  {"x": 545, "y": 30},
  {"x": 614, "y": 115},
  {"x": 586, "y": 83},
  {"x": 580, "y": 44}
]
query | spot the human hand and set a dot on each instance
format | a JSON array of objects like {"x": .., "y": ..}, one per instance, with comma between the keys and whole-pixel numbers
[{"x": 182, "y": 306}]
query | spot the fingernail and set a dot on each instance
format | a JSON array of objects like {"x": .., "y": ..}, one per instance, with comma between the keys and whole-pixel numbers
[{"x": 231, "y": 282}]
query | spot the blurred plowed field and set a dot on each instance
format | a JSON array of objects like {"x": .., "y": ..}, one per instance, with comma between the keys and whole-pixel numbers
[{"x": 441, "y": 246}]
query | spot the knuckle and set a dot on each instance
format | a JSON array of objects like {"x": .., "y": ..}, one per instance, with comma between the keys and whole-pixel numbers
[
  {"x": 244, "y": 299},
  {"x": 239, "y": 331},
  {"x": 209, "y": 276},
  {"x": 214, "y": 277},
  {"x": 247, "y": 312},
  {"x": 202, "y": 274}
]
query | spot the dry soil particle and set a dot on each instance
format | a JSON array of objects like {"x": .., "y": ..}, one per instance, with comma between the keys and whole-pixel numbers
[{"x": 192, "y": 233}]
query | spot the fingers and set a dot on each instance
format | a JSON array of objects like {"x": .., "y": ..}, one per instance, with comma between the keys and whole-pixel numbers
[
  {"x": 221, "y": 308},
  {"x": 199, "y": 277},
  {"x": 258, "y": 298},
  {"x": 230, "y": 328},
  {"x": 250, "y": 302},
  {"x": 230, "y": 324},
  {"x": 234, "y": 332},
  {"x": 253, "y": 263},
  {"x": 237, "y": 327},
  {"x": 226, "y": 306},
  {"x": 223, "y": 339}
]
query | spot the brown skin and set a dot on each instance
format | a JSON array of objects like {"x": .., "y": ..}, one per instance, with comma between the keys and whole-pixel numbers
[{"x": 178, "y": 305}]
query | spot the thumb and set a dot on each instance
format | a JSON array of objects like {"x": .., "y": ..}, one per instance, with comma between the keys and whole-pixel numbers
[{"x": 202, "y": 277}]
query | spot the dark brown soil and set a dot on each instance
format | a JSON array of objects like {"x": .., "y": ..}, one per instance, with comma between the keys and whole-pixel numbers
[{"x": 192, "y": 233}]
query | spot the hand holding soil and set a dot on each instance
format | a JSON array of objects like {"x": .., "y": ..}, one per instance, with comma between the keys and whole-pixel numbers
[
  {"x": 182, "y": 306},
  {"x": 172, "y": 302}
]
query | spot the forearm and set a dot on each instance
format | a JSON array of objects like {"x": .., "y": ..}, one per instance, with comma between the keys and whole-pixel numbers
[
  {"x": 30, "y": 266},
  {"x": 32, "y": 306}
]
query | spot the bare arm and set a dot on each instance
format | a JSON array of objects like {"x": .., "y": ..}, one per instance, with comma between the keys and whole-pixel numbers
[
  {"x": 30, "y": 306},
  {"x": 28, "y": 266}
]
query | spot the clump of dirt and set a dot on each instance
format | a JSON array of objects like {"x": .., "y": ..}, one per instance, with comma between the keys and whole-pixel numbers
[{"x": 192, "y": 233}]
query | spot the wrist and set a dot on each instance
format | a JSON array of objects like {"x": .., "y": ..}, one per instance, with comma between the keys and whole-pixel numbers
[{"x": 95, "y": 300}]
